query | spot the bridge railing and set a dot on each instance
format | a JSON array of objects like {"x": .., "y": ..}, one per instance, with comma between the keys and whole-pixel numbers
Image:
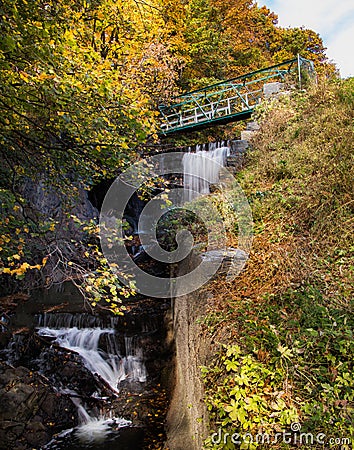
[
  {"x": 229, "y": 100},
  {"x": 212, "y": 110}
]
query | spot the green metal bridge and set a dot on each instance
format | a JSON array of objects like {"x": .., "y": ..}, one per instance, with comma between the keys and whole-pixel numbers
[{"x": 231, "y": 100}]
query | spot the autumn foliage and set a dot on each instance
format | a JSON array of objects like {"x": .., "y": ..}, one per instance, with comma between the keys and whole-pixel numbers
[{"x": 80, "y": 82}]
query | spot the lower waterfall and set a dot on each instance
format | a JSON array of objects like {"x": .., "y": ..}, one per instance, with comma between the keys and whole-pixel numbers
[
  {"x": 115, "y": 359},
  {"x": 108, "y": 363},
  {"x": 91, "y": 431}
]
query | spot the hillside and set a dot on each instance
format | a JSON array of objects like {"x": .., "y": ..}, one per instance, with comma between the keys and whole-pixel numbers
[{"x": 286, "y": 324}]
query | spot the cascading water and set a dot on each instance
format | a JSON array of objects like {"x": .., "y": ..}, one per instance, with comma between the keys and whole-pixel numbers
[
  {"x": 101, "y": 353},
  {"x": 109, "y": 364},
  {"x": 94, "y": 430},
  {"x": 91, "y": 431},
  {"x": 200, "y": 170},
  {"x": 73, "y": 380}
]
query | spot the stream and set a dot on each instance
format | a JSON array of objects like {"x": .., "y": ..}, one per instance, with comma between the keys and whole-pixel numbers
[
  {"x": 71, "y": 378},
  {"x": 111, "y": 372}
]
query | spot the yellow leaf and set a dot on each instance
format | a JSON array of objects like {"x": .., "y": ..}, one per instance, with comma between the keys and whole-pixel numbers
[{"x": 24, "y": 76}]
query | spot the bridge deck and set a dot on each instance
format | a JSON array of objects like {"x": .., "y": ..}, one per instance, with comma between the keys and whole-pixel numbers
[{"x": 230, "y": 100}]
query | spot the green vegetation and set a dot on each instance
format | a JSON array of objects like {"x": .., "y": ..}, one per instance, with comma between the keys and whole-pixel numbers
[
  {"x": 79, "y": 85},
  {"x": 79, "y": 81},
  {"x": 286, "y": 323}
]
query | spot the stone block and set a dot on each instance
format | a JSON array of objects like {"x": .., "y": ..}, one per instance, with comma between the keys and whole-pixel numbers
[
  {"x": 252, "y": 126},
  {"x": 239, "y": 146},
  {"x": 270, "y": 89},
  {"x": 247, "y": 135}
]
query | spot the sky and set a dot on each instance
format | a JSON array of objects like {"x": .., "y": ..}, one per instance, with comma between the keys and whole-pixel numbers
[{"x": 333, "y": 20}]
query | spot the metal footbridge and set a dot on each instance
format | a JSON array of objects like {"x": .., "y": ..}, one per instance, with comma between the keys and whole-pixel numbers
[{"x": 231, "y": 100}]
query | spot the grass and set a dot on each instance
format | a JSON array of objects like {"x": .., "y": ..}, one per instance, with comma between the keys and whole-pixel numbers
[{"x": 291, "y": 309}]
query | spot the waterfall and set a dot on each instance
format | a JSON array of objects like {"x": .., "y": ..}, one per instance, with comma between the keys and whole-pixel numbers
[
  {"x": 108, "y": 363},
  {"x": 94, "y": 429},
  {"x": 91, "y": 431},
  {"x": 89, "y": 369},
  {"x": 114, "y": 357},
  {"x": 69, "y": 320},
  {"x": 200, "y": 170}
]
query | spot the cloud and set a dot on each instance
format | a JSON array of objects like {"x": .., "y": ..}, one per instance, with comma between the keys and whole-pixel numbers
[
  {"x": 338, "y": 51},
  {"x": 333, "y": 20}
]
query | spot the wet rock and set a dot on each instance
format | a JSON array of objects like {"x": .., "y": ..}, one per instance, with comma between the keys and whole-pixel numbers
[
  {"x": 65, "y": 368},
  {"x": 46, "y": 201},
  {"x": 24, "y": 347},
  {"x": 30, "y": 410}
]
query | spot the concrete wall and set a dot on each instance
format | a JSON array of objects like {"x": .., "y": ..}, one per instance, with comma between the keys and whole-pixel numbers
[{"x": 187, "y": 420}]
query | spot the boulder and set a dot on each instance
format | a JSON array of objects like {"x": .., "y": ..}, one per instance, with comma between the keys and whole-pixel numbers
[{"x": 30, "y": 410}]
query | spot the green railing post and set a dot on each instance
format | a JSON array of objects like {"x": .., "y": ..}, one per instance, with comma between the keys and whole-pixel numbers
[{"x": 299, "y": 69}]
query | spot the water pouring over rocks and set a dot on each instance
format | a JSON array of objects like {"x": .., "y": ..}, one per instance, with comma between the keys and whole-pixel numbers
[{"x": 94, "y": 381}]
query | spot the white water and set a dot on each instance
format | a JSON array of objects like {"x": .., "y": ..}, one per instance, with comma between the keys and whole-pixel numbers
[
  {"x": 200, "y": 169},
  {"x": 91, "y": 430},
  {"x": 95, "y": 429},
  {"x": 110, "y": 365}
]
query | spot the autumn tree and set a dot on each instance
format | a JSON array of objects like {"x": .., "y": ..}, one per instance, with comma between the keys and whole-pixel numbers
[
  {"x": 227, "y": 39},
  {"x": 79, "y": 85},
  {"x": 79, "y": 81},
  {"x": 307, "y": 43}
]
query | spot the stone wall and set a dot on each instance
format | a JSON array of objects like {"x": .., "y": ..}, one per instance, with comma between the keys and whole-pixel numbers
[{"x": 187, "y": 419}]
